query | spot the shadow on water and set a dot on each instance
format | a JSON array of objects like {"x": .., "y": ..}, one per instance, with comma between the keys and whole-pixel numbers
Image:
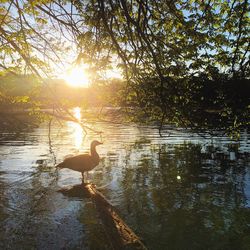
[
  {"x": 76, "y": 191},
  {"x": 174, "y": 194}
]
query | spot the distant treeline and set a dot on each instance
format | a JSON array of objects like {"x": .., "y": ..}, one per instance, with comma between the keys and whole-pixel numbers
[
  {"x": 199, "y": 102},
  {"x": 25, "y": 91}
]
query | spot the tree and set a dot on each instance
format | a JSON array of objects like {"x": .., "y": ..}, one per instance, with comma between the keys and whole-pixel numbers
[
  {"x": 34, "y": 42},
  {"x": 170, "y": 50}
]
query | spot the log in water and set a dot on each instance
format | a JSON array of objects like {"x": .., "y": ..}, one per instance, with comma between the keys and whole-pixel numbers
[{"x": 119, "y": 233}]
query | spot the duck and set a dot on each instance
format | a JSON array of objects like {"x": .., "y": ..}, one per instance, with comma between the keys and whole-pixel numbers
[{"x": 82, "y": 162}]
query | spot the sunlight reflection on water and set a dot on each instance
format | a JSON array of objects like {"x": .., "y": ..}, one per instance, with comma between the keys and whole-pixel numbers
[
  {"x": 77, "y": 113},
  {"x": 78, "y": 132}
]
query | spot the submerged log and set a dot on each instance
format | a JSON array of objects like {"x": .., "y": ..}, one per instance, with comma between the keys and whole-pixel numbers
[{"x": 119, "y": 233}]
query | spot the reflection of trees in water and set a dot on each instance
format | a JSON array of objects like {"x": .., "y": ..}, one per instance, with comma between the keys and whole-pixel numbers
[{"x": 183, "y": 197}]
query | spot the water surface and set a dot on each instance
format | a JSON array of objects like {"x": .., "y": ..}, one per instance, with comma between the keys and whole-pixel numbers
[{"x": 179, "y": 191}]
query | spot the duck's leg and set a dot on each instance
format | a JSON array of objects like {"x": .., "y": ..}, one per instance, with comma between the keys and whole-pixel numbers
[{"x": 82, "y": 177}]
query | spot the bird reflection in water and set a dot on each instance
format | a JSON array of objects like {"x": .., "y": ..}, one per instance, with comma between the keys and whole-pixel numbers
[{"x": 77, "y": 191}]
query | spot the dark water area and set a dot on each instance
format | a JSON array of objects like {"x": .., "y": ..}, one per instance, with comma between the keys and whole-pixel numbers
[{"x": 179, "y": 191}]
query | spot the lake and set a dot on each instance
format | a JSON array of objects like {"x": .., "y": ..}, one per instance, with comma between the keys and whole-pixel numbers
[{"x": 180, "y": 190}]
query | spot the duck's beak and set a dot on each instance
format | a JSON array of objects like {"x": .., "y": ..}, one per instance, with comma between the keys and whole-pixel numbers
[{"x": 100, "y": 143}]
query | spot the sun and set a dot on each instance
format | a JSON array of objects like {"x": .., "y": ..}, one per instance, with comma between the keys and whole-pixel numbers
[{"x": 77, "y": 77}]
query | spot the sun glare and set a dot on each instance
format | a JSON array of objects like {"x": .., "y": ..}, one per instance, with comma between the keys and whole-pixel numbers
[{"x": 77, "y": 77}]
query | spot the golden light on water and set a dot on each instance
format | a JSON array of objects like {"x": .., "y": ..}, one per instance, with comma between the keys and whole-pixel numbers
[
  {"x": 77, "y": 77},
  {"x": 77, "y": 113},
  {"x": 77, "y": 129}
]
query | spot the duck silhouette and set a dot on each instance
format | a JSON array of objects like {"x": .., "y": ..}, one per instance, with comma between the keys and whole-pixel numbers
[{"x": 82, "y": 162}]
